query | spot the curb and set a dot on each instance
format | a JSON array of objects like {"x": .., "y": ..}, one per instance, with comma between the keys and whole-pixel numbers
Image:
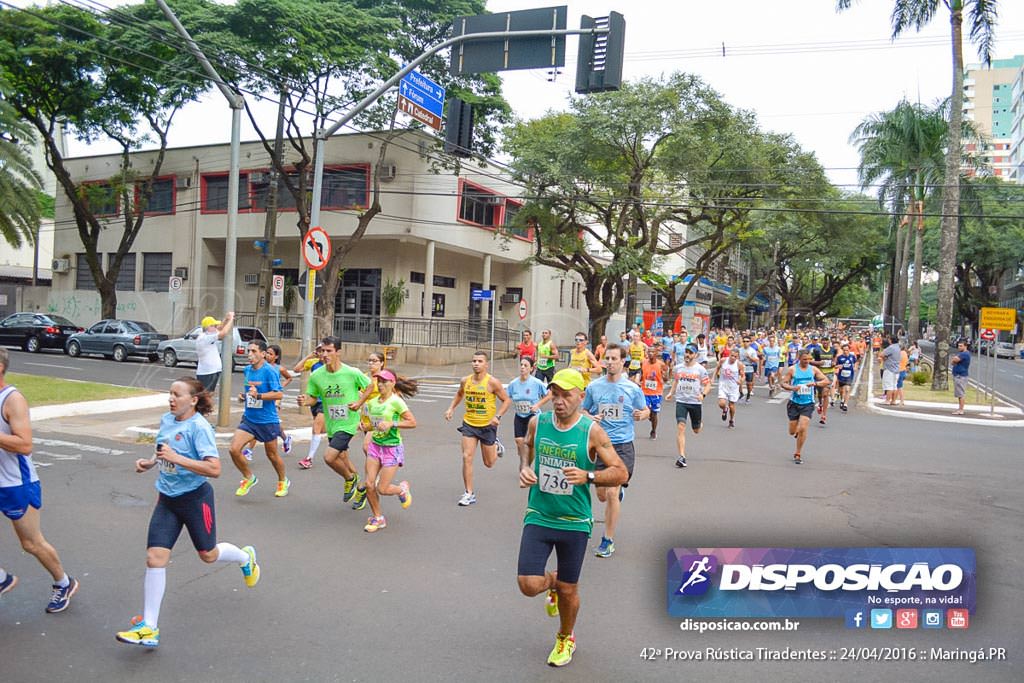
[
  {"x": 112, "y": 405},
  {"x": 303, "y": 434}
]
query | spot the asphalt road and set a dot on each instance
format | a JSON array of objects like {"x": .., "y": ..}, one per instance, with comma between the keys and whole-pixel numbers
[
  {"x": 1009, "y": 372},
  {"x": 433, "y": 597}
]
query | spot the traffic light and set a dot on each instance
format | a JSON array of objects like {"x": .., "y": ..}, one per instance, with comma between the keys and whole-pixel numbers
[
  {"x": 599, "y": 60},
  {"x": 458, "y": 129}
]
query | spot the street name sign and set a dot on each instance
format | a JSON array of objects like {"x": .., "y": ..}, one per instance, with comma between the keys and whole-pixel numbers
[{"x": 482, "y": 295}]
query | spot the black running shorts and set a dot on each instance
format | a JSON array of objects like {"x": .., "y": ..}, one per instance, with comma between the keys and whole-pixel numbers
[
  {"x": 193, "y": 510},
  {"x": 536, "y": 545}
]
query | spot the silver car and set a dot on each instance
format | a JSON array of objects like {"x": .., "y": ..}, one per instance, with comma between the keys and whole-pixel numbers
[
  {"x": 117, "y": 339},
  {"x": 183, "y": 349}
]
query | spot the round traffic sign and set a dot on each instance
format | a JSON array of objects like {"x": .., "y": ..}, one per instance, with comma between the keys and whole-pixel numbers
[
  {"x": 988, "y": 335},
  {"x": 277, "y": 285},
  {"x": 174, "y": 283},
  {"x": 522, "y": 309},
  {"x": 316, "y": 248}
]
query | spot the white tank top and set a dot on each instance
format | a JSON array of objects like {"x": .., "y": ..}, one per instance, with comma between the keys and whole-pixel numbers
[{"x": 15, "y": 468}]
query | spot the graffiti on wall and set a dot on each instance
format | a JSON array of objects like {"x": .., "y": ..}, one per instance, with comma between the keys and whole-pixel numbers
[{"x": 75, "y": 306}]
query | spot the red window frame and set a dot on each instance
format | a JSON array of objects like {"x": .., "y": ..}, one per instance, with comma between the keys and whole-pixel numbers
[
  {"x": 528, "y": 237},
  {"x": 117, "y": 198},
  {"x": 174, "y": 196},
  {"x": 242, "y": 175}
]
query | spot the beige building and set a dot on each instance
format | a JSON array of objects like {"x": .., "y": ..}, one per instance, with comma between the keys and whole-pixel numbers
[{"x": 440, "y": 235}]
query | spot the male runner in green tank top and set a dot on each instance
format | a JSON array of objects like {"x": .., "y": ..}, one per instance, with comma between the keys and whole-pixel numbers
[{"x": 563, "y": 450}]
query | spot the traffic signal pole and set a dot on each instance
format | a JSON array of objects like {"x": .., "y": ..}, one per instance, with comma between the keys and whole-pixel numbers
[{"x": 322, "y": 134}]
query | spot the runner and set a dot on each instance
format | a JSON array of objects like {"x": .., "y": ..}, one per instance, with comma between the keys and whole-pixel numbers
[
  {"x": 274, "y": 361},
  {"x": 388, "y": 413},
  {"x": 728, "y": 374},
  {"x": 582, "y": 359},
  {"x": 527, "y": 394},
  {"x": 526, "y": 348},
  {"x": 690, "y": 384},
  {"x": 481, "y": 419},
  {"x": 793, "y": 351},
  {"x": 801, "y": 380},
  {"x": 260, "y": 420},
  {"x": 772, "y": 356},
  {"x": 311, "y": 364},
  {"x": 547, "y": 354},
  {"x": 375, "y": 363},
  {"x": 637, "y": 353},
  {"x": 652, "y": 382},
  {"x": 21, "y": 495},
  {"x": 617, "y": 403},
  {"x": 558, "y": 469},
  {"x": 208, "y": 360},
  {"x": 337, "y": 386},
  {"x": 702, "y": 351},
  {"x": 751, "y": 360},
  {"x": 599, "y": 350},
  {"x": 186, "y": 452},
  {"x": 846, "y": 370},
  {"x": 824, "y": 360}
]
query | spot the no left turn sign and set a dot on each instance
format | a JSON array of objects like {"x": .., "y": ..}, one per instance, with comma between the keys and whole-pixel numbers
[{"x": 316, "y": 248}]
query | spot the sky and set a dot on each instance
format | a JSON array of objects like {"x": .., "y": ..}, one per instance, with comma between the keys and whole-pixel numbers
[{"x": 799, "y": 65}]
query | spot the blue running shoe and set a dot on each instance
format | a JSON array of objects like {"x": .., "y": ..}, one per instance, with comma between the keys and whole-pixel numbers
[
  {"x": 606, "y": 548},
  {"x": 8, "y": 584},
  {"x": 61, "y": 597}
]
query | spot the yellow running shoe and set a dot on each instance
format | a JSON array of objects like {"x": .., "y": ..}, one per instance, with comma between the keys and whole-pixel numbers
[
  {"x": 140, "y": 634},
  {"x": 350, "y": 487},
  {"x": 375, "y": 524},
  {"x": 562, "y": 652},
  {"x": 404, "y": 497},
  {"x": 551, "y": 603},
  {"x": 282, "y": 488},
  {"x": 245, "y": 485},
  {"x": 250, "y": 570}
]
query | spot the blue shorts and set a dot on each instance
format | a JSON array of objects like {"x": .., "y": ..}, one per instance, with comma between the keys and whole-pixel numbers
[
  {"x": 770, "y": 370},
  {"x": 16, "y": 500},
  {"x": 653, "y": 402},
  {"x": 666, "y": 356},
  {"x": 899, "y": 380},
  {"x": 264, "y": 433}
]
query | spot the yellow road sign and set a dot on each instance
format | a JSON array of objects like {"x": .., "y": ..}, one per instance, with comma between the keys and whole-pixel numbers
[{"x": 998, "y": 318}]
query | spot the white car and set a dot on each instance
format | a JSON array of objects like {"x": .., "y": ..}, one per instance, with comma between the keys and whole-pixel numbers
[{"x": 183, "y": 349}]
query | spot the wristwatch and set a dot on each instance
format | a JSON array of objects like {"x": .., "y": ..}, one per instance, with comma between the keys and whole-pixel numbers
[{"x": 590, "y": 477}]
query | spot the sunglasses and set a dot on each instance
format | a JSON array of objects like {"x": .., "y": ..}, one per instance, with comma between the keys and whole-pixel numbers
[{"x": 580, "y": 339}]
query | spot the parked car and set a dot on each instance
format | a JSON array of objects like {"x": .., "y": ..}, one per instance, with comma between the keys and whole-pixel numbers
[
  {"x": 36, "y": 331},
  {"x": 1002, "y": 349},
  {"x": 183, "y": 349},
  {"x": 117, "y": 339}
]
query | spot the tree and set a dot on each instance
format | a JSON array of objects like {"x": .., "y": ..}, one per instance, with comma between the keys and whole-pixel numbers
[
  {"x": 19, "y": 182},
  {"x": 643, "y": 174},
  {"x": 902, "y": 150},
  {"x": 982, "y": 15},
  {"x": 98, "y": 79}
]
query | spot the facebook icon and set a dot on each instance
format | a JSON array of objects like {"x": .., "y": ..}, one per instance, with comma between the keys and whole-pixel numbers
[{"x": 855, "y": 618}]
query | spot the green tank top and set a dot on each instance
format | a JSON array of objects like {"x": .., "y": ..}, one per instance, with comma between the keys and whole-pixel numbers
[
  {"x": 544, "y": 349},
  {"x": 553, "y": 502}
]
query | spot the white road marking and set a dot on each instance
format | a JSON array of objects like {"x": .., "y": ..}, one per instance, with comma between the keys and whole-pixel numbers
[
  {"x": 78, "y": 447},
  {"x": 52, "y": 365},
  {"x": 57, "y": 456}
]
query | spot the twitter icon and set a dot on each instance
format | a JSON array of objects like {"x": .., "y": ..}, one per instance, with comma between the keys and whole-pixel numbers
[{"x": 881, "y": 618}]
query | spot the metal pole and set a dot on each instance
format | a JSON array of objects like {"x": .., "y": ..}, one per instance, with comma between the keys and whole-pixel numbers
[
  {"x": 492, "y": 329},
  {"x": 314, "y": 220},
  {"x": 230, "y": 256},
  {"x": 992, "y": 401}
]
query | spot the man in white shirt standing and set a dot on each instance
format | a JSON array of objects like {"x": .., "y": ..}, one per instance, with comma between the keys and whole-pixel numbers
[{"x": 209, "y": 366}]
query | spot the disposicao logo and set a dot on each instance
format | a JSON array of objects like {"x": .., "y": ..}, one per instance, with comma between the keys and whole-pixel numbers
[{"x": 817, "y": 582}]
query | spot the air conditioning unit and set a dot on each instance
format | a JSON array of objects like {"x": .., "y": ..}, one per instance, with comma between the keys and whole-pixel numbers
[
  {"x": 60, "y": 265},
  {"x": 258, "y": 177},
  {"x": 510, "y": 298},
  {"x": 251, "y": 279},
  {"x": 181, "y": 272},
  {"x": 183, "y": 182},
  {"x": 493, "y": 199},
  {"x": 387, "y": 172}
]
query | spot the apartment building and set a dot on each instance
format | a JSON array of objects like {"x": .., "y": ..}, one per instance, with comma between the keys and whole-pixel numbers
[{"x": 989, "y": 104}]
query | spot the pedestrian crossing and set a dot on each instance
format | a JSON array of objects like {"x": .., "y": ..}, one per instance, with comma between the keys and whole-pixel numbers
[
  {"x": 432, "y": 393},
  {"x": 48, "y": 452}
]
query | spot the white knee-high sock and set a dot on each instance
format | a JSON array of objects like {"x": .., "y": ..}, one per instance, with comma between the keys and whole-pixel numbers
[
  {"x": 156, "y": 582},
  {"x": 314, "y": 444},
  {"x": 231, "y": 553}
]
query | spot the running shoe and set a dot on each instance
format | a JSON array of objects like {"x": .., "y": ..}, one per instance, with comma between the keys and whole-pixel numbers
[
  {"x": 350, "y": 486},
  {"x": 375, "y": 524},
  {"x": 250, "y": 570},
  {"x": 359, "y": 499},
  {"x": 796, "y": 459},
  {"x": 404, "y": 497},
  {"x": 842, "y": 407},
  {"x": 551, "y": 603},
  {"x": 653, "y": 435},
  {"x": 467, "y": 499},
  {"x": 732, "y": 424},
  {"x": 500, "y": 447},
  {"x": 725, "y": 415},
  {"x": 622, "y": 492},
  {"x": 287, "y": 444},
  {"x": 282, "y": 488},
  {"x": 606, "y": 548},
  {"x": 8, "y": 584},
  {"x": 306, "y": 463},
  {"x": 562, "y": 652},
  {"x": 748, "y": 398},
  {"x": 61, "y": 597},
  {"x": 247, "y": 454},
  {"x": 140, "y": 634},
  {"x": 245, "y": 485},
  {"x": 681, "y": 461},
  {"x": 821, "y": 421}
]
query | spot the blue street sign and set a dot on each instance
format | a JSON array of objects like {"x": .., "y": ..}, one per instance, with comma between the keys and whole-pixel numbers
[
  {"x": 422, "y": 91},
  {"x": 482, "y": 294}
]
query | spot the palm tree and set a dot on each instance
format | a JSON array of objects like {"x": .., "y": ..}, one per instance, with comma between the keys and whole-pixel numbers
[
  {"x": 903, "y": 151},
  {"x": 982, "y": 16},
  {"x": 19, "y": 182}
]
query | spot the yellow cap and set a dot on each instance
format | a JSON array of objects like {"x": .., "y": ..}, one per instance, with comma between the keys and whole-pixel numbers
[
  {"x": 569, "y": 378},
  {"x": 209, "y": 320}
]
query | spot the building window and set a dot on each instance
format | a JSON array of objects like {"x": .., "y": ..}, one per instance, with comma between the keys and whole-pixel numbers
[
  {"x": 215, "y": 192},
  {"x": 479, "y": 206},
  {"x": 156, "y": 271},
  {"x": 102, "y": 198},
  {"x": 417, "y": 278},
  {"x": 161, "y": 200},
  {"x": 511, "y": 210},
  {"x": 83, "y": 276},
  {"x": 346, "y": 187},
  {"x": 561, "y": 293},
  {"x": 657, "y": 301},
  {"x": 125, "y": 276}
]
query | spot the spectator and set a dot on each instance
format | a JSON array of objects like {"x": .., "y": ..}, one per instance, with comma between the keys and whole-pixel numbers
[
  {"x": 961, "y": 364},
  {"x": 889, "y": 357}
]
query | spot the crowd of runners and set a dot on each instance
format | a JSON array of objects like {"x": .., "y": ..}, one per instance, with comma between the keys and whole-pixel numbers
[{"x": 587, "y": 438}]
